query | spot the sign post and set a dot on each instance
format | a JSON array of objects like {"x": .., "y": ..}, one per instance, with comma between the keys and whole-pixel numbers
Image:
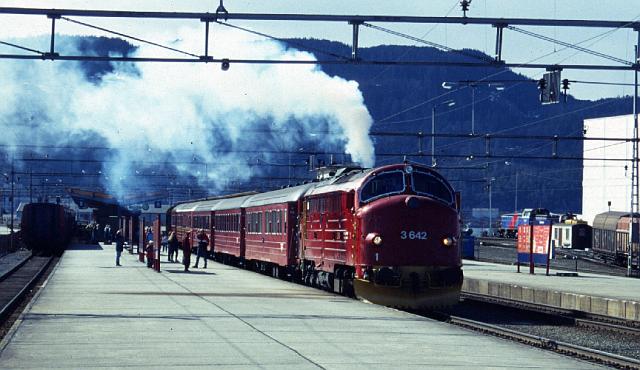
[{"x": 534, "y": 244}]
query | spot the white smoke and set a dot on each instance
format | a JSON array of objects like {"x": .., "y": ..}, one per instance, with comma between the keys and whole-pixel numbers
[{"x": 182, "y": 111}]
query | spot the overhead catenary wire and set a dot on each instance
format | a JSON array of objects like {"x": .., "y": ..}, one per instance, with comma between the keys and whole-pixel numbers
[
  {"x": 386, "y": 68},
  {"x": 286, "y": 41},
  {"x": 570, "y": 45},
  {"x": 129, "y": 37},
  {"x": 481, "y": 57},
  {"x": 21, "y": 47},
  {"x": 592, "y": 38}
]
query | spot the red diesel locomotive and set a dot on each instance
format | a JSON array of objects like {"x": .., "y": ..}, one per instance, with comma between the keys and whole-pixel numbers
[{"x": 389, "y": 235}]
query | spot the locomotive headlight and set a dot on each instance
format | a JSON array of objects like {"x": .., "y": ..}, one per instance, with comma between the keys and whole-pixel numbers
[
  {"x": 447, "y": 242},
  {"x": 408, "y": 169},
  {"x": 377, "y": 240}
]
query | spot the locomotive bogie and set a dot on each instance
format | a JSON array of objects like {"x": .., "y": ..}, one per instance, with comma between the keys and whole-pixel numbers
[{"x": 411, "y": 287}]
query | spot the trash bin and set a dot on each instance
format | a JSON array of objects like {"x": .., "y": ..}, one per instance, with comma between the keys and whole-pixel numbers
[{"x": 468, "y": 250}]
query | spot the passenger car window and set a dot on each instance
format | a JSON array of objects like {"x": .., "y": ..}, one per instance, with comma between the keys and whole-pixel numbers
[
  {"x": 432, "y": 186},
  {"x": 385, "y": 183}
]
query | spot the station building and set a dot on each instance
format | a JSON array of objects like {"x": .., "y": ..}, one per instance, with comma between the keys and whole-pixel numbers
[{"x": 606, "y": 181}]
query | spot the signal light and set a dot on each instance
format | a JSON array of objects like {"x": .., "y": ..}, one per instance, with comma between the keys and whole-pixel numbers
[
  {"x": 565, "y": 87},
  {"x": 464, "y": 4},
  {"x": 225, "y": 64}
]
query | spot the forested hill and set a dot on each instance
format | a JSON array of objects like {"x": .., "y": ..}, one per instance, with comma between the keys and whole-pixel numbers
[{"x": 401, "y": 98}]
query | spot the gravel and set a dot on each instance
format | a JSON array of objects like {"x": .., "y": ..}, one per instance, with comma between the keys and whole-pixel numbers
[{"x": 550, "y": 327}]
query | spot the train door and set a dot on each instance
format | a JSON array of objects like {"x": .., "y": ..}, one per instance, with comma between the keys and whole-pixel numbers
[{"x": 349, "y": 226}]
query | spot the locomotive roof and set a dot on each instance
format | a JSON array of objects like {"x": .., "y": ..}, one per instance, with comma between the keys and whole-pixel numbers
[
  {"x": 347, "y": 182},
  {"x": 286, "y": 195}
]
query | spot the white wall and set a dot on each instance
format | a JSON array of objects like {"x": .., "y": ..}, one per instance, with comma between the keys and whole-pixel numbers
[{"x": 604, "y": 181}]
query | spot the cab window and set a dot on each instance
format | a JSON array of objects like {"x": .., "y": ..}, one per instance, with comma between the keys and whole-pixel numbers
[
  {"x": 383, "y": 184},
  {"x": 432, "y": 186}
]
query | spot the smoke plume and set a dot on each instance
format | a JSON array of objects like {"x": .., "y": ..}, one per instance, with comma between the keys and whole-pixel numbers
[{"x": 183, "y": 114}]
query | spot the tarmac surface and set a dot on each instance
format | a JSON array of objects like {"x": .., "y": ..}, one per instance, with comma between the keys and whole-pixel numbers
[{"x": 92, "y": 314}]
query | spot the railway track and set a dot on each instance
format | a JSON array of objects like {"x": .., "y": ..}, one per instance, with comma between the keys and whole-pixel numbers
[
  {"x": 15, "y": 285},
  {"x": 569, "y": 332},
  {"x": 582, "y": 352}
]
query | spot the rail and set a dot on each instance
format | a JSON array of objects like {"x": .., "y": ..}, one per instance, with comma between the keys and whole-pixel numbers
[
  {"x": 24, "y": 284},
  {"x": 549, "y": 344}
]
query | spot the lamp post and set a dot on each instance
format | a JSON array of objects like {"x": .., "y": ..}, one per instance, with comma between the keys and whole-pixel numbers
[
  {"x": 491, "y": 180},
  {"x": 515, "y": 205},
  {"x": 448, "y": 103}
]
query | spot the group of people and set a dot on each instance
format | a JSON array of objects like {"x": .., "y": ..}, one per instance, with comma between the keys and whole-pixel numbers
[
  {"x": 173, "y": 245},
  {"x": 97, "y": 233},
  {"x": 202, "y": 249}
]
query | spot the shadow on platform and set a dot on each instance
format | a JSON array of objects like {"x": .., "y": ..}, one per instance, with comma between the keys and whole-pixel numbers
[
  {"x": 84, "y": 247},
  {"x": 192, "y": 272}
]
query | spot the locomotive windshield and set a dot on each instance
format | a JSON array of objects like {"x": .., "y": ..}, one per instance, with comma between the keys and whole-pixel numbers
[
  {"x": 431, "y": 186},
  {"x": 383, "y": 184}
]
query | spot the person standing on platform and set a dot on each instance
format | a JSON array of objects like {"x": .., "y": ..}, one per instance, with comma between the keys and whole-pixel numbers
[
  {"x": 186, "y": 251},
  {"x": 203, "y": 242},
  {"x": 164, "y": 241},
  {"x": 107, "y": 234},
  {"x": 149, "y": 235},
  {"x": 150, "y": 254},
  {"x": 173, "y": 246},
  {"x": 119, "y": 246}
]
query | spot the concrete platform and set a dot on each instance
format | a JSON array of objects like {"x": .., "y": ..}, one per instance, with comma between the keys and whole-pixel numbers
[
  {"x": 599, "y": 294},
  {"x": 92, "y": 314}
]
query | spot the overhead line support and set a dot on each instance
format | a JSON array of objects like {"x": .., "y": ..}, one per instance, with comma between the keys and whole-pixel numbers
[
  {"x": 206, "y": 58},
  {"x": 499, "y": 31},
  {"x": 52, "y": 54},
  {"x": 86, "y": 58},
  {"x": 322, "y": 17},
  {"x": 354, "y": 44}
]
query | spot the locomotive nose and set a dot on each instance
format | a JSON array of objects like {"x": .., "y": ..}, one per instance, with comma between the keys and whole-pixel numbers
[{"x": 412, "y": 202}]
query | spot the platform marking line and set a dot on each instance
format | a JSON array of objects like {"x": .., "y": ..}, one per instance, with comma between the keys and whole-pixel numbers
[{"x": 234, "y": 316}]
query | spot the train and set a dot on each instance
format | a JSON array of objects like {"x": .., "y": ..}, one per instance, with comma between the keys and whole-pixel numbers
[
  {"x": 388, "y": 235},
  {"x": 611, "y": 238},
  {"x": 509, "y": 222},
  {"x": 46, "y": 228}
]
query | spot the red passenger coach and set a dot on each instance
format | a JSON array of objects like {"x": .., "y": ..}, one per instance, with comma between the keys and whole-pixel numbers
[
  {"x": 271, "y": 224},
  {"x": 228, "y": 241}
]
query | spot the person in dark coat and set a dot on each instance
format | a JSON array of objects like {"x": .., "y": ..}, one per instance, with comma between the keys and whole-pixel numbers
[
  {"x": 107, "y": 234},
  {"x": 173, "y": 246},
  {"x": 150, "y": 254},
  {"x": 119, "y": 246},
  {"x": 203, "y": 243},
  {"x": 186, "y": 252}
]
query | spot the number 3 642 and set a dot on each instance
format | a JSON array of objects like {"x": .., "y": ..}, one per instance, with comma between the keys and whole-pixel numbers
[{"x": 410, "y": 234}]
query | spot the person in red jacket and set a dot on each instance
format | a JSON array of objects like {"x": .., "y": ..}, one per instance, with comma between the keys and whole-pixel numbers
[{"x": 186, "y": 251}]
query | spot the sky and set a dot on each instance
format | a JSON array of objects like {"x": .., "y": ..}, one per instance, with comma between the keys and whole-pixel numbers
[{"x": 517, "y": 48}]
